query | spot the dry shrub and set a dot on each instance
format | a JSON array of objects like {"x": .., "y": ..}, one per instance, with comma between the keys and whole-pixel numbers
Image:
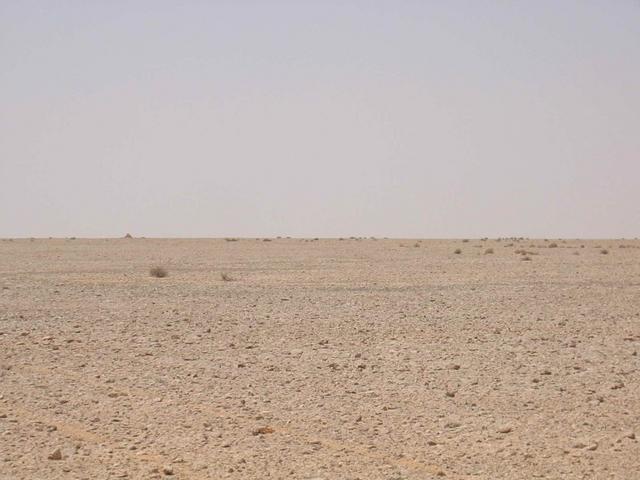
[
  {"x": 158, "y": 272},
  {"x": 488, "y": 251},
  {"x": 526, "y": 258},
  {"x": 553, "y": 245},
  {"x": 225, "y": 277},
  {"x": 604, "y": 251},
  {"x": 457, "y": 251}
]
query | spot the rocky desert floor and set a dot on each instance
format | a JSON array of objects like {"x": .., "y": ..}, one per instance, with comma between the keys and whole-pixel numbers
[{"x": 328, "y": 359}]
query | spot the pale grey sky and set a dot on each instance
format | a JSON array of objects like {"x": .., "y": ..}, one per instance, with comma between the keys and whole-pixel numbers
[{"x": 332, "y": 118}]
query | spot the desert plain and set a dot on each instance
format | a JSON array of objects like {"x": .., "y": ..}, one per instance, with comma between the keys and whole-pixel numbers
[{"x": 319, "y": 359}]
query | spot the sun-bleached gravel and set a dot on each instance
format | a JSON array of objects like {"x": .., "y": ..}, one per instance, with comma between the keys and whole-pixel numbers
[{"x": 329, "y": 359}]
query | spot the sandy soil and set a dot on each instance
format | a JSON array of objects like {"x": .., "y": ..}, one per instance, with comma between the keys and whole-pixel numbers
[{"x": 354, "y": 359}]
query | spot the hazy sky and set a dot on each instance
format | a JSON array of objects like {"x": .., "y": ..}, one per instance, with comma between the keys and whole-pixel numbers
[{"x": 323, "y": 118}]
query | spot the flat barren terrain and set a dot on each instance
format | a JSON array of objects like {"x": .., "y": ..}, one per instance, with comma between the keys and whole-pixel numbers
[{"x": 331, "y": 359}]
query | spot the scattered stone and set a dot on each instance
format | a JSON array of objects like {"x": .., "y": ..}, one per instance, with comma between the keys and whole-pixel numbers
[
  {"x": 167, "y": 471},
  {"x": 263, "y": 431},
  {"x": 505, "y": 429},
  {"x": 55, "y": 455}
]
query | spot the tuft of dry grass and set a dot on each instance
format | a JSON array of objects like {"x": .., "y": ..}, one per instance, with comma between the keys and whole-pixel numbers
[
  {"x": 457, "y": 251},
  {"x": 225, "y": 277},
  {"x": 526, "y": 258},
  {"x": 488, "y": 251},
  {"x": 158, "y": 272},
  {"x": 604, "y": 251},
  {"x": 553, "y": 245}
]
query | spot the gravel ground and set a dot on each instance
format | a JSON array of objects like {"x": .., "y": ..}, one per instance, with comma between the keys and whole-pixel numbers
[{"x": 330, "y": 359}]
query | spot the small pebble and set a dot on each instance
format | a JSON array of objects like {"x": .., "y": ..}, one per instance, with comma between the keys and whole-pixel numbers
[{"x": 55, "y": 455}]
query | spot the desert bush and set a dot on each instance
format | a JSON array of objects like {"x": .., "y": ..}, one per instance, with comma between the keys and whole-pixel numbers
[
  {"x": 225, "y": 277},
  {"x": 526, "y": 258},
  {"x": 604, "y": 251},
  {"x": 488, "y": 251},
  {"x": 457, "y": 251},
  {"x": 158, "y": 272},
  {"x": 553, "y": 245}
]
